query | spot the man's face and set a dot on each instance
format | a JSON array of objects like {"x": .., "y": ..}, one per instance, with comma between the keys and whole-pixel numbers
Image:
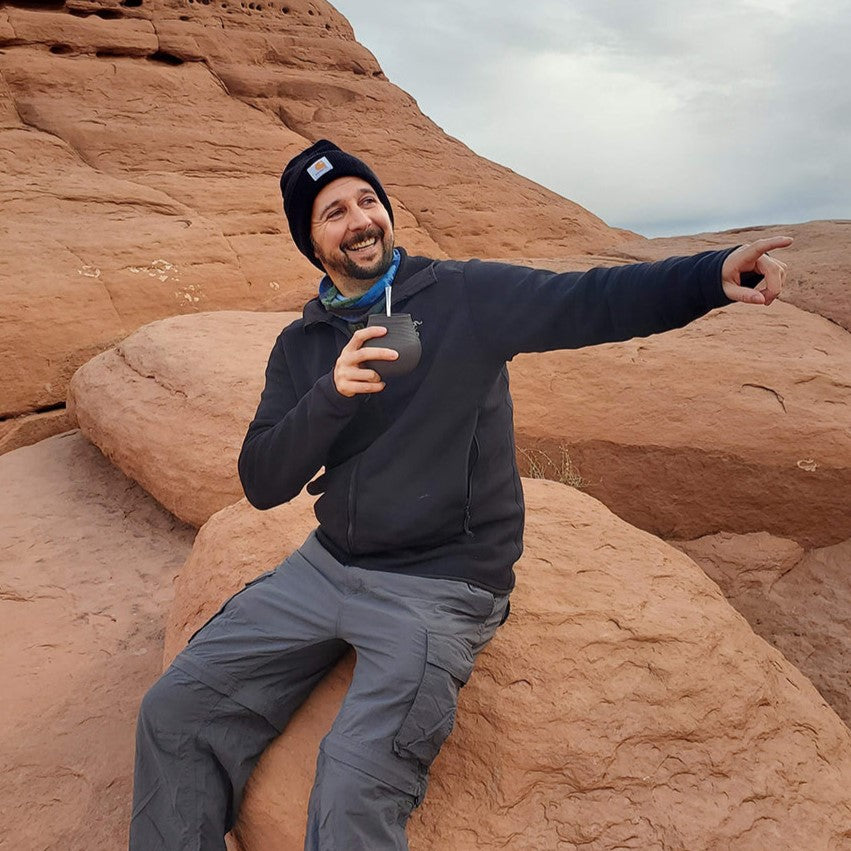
[{"x": 352, "y": 234}]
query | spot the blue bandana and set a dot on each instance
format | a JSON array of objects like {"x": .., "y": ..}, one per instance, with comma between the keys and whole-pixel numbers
[{"x": 355, "y": 308}]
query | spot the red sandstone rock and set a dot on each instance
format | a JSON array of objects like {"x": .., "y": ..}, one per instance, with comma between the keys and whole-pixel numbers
[
  {"x": 738, "y": 422},
  {"x": 28, "y": 429},
  {"x": 798, "y": 601},
  {"x": 141, "y": 150},
  {"x": 624, "y": 704},
  {"x": 86, "y": 564},
  {"x": 170, "y": 404}
]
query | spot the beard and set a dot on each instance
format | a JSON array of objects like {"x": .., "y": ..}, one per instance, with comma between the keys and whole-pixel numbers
[{"x": 338, "y": 264}]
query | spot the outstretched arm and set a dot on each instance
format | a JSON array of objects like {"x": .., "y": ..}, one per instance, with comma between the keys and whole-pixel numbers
[{"x": 518, "y": 309}]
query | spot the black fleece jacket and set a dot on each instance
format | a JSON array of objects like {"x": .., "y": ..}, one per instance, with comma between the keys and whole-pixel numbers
[{"x": 421, "y": 478}]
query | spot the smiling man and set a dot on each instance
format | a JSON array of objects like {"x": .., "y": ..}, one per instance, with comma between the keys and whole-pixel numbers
[
  {"x": 351, "y": 233},
  {"x": 420, "y": 513}
]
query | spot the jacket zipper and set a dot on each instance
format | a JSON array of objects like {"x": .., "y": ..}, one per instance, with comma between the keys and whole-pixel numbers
[
  {"x": 471, "y": 468},
  {"x": 350, "y": 529}
]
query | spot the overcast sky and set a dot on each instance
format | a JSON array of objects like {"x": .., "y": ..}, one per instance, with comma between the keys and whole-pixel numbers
[{"x": 662, "y": 116}]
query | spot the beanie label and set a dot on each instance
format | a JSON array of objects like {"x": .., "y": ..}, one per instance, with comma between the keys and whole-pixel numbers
[{"x": 319, "y": 168}]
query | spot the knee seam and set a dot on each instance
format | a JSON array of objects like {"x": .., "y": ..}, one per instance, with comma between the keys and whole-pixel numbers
[{"x": 404, "y": 775}]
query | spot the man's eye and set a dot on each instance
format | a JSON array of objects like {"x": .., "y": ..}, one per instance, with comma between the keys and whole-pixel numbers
[
  {"x": 335, "y": 214},
  {"x": 368, "y": 201}
]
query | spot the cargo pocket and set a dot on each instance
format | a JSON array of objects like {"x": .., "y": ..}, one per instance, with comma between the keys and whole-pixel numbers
[
  {"x": 432, "y": 714},
  {"x": 223, "y": 606}
]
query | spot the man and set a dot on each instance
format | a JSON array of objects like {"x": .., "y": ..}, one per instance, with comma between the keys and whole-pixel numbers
[{"x": 420, "y": 513}]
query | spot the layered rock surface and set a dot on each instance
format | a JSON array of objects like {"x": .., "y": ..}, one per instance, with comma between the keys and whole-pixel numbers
[
  {"x": 141, "y": 149},
  {"x": 86, "y": 565},
  {"x": 623, "y": 704},
  {"x": 738, "y": 422}
]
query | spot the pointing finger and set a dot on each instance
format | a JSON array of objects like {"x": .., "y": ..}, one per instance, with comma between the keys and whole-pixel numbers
[{"x": 760, "y": 246}]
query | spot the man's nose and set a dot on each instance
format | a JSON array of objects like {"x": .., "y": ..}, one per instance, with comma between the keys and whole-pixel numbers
[{"x": 358, "y": 219}]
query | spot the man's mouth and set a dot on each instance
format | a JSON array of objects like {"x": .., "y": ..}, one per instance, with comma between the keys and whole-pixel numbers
[{"x": 363, "y": 243}]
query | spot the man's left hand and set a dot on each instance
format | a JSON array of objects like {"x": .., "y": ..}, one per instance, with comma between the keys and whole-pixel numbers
[{"x": 754, "y": 258}]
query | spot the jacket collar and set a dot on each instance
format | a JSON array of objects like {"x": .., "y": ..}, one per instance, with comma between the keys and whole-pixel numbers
[{"x": 414, "y": 274}]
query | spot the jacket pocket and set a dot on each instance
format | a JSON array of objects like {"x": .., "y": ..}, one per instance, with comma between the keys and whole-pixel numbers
[
  {"x": 336, "y": 507},
  {"x": 432, "y": 714}
]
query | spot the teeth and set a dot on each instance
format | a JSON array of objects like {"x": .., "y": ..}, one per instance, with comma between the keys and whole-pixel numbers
[{"x": 364, "y": 243}]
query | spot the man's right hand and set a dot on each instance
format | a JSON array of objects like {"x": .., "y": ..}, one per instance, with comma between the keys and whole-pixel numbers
[{"x": 350, "y": 376}]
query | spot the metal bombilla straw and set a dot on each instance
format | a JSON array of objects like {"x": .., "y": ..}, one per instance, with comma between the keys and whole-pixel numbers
[{"x": 387, "y": 292}]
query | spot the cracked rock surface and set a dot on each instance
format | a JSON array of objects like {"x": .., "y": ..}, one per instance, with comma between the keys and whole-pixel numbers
[
  {"x": 86, "y": 565},
  {"x": 623, "y": 704}
]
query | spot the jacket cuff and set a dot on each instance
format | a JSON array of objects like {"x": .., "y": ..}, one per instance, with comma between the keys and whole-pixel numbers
[
  {"x": 339, "y": 404},
  {"x": 713, "y": 291}
]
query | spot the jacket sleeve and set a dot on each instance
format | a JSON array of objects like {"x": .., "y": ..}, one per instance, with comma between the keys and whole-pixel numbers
[
  {"x": 517, "y": 309},
  {"x": 289, "y": 437}
]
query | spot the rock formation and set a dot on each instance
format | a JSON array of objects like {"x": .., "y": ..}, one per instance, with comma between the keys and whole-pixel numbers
[
  {"x": 86, "y": 566},
  {"x": 680, "y": 458},
  {"x": 141, "y": 148},
  {"x": 623, "y": 704},
  {"x": 819, "y": 261}
]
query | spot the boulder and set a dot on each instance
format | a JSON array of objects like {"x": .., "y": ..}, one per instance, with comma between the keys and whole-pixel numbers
[
  {"x": 623, "y": 704},
  {"x": 798, "y": 601},
  {"x": 738, "y": 422},
  {"x": 86, "y": 570},
  {"x": 141, "y": 149},
  {"x": 171, "y": 403}
]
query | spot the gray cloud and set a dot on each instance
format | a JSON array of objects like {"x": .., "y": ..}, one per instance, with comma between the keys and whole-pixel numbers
[{"x": 657, "y": 115}]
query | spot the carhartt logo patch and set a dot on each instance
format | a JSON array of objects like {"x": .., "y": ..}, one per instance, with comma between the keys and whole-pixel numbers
[{"x": 319, "y": 168}]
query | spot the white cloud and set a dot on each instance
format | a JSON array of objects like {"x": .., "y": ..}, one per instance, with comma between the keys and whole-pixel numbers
[{"x": 657, "y": 115}]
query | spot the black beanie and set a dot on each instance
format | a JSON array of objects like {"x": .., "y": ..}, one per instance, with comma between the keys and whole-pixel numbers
[{"x": 306, "y": 174}]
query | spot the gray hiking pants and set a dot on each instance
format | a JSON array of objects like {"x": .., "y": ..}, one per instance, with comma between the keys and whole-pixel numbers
[{"x": 204, "y": 724}]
